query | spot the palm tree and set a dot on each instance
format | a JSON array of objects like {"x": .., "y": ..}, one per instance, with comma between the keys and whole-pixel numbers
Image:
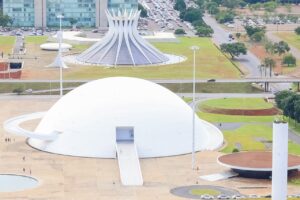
[{"x": 270, "y": 63}]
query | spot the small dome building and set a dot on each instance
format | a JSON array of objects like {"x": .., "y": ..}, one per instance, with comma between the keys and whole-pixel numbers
[{"x": 91, "y": 119}]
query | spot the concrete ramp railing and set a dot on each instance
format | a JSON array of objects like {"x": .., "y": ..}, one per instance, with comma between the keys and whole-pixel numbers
[
  {"x": 13, "y": 126},
  {"x": 129, "y": 164}
]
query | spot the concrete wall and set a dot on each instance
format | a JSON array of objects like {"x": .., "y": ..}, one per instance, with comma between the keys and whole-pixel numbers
[
  {"x": 101, "y": 19},
  {"x": 40, "y": 18}
]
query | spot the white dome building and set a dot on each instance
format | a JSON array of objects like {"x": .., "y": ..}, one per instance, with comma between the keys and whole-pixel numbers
[{"x": 93, "y": 117}]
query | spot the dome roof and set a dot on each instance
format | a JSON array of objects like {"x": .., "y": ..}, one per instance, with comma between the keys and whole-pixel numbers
[{"x": 89, "y": 117}]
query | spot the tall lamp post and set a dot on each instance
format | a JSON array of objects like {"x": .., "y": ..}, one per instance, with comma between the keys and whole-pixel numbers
[
  {"x": 194, "y": 49},
  {"x": 60, "y": 17}
]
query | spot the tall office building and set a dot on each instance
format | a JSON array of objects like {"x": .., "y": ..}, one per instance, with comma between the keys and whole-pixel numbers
[
  {"x": 21, "y": 11},
  {"x": 1, "y": 6},
  {"x": 83, "y": 11},
  {"x": 122, "y": 4},
  {"x": 43, "y": 13}
]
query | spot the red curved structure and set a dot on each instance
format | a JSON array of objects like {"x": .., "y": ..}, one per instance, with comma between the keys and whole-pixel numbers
[{"x": 11, "y": 70}]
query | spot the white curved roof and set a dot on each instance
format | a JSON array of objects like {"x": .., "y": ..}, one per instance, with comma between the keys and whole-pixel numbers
[
  {"x": 87, "y": 118},
  {"x": 55, "y": 46}
]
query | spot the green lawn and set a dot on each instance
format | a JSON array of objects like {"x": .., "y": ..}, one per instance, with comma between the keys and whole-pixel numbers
[
  {"x": 291, "y": 38},
  {"x": 7, "y": 43},
  {"x": 10, "y": 87},
  {"x": 247, "y": 137},
  {"x": 238, "y": 103},
  {"x": 204, "y": 191},
  {"x": 211, "y": 63},
  {"x": 212, "y": 87},
  {"x": 36, "y": 39},
  {"x": 80, "y": 47},
  {"x": 233, "y": 118}
]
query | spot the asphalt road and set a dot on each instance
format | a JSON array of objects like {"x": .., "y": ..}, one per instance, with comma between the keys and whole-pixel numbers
[{"x": 250, "y": 61}]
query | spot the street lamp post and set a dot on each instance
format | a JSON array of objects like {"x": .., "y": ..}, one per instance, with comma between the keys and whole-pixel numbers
[
  {"x": 194, "y": 49},
  {"x": 60, "y": 17}
]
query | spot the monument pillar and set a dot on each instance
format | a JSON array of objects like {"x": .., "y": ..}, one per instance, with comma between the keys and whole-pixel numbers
[{"x": 280, "y": 160}]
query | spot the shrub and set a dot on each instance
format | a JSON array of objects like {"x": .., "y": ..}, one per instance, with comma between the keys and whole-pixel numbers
[
  {"x": 225, "y": 16},
  {"x": 289, "y": 60},
  {"x": 235, "y": 150},
  {"x": 257, "y": 37},
  {"x": 193, "y": 14},
  {"x": 18, "y": 91},
  {"x": 297, "y": 30},
  {"x": 252, "y": 30},
  {"x": 180, "y": 31},
  {"x": 204, "y": 31}
]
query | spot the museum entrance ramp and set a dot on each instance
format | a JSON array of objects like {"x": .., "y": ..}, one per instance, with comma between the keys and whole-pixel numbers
[{"x": 128, "y": 160}]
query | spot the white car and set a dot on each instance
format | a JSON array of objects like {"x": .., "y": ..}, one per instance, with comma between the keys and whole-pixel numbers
[
  {"x": 253, "y": 196},
  {"x": 222, "y": 196},
  {"x": 206, "y": 196},
  {"x": 238, "y": 197}
]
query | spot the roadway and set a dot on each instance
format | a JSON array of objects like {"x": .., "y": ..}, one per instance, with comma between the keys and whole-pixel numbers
[
  {"x": 249, "y": 61},
  {"x": 220, "y": 36},
  {"x": 246, "y": 80}
]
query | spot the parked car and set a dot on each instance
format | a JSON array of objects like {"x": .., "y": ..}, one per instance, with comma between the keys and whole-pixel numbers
[
  {"x": 206, "y": 196},
  {"x": 222, "y": 196}
]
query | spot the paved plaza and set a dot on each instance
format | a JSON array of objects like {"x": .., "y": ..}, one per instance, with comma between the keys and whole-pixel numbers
[{"x": 65, "y": 177}]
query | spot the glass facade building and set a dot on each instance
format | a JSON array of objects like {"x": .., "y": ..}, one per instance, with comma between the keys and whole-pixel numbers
[
  {"x": 21, "y": 11},
  {"x": 82, "y": 11},
  {"x": 1, "y": 5},
  {"x": 122, "y": 4},
  {"x": 42, "y": 13}
]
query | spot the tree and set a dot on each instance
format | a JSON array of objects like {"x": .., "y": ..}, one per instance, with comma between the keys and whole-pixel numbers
[
  {"x": 73, "y": 21},
  {"x": 256, "y": 6},
  {"x": 269, "y": 63},
  {"x": 242, "y": 4},
  {"x": 281, "y": 48},
  {"x": 231, "y": 3},
  {"x": 180, "y": 5},
  {"x": 180, "y": 31},
  {"x": 289, "y": 60},
  {"x": 234, "y": 49},
  {"x": 269, "y": 47},
  {"x": 200, "y": 3},
  {"x": 5, "y": 20},
  {"x": 198, "y": 22},
  {"x": 144, "y": 12},
  {"x": 280, "y": 96},
  {"x": 297, "y": 111},
  {"x": 297, "y": 30},
  {"x": 204, "y": 31},
  {"x": 192, "y": 14},
  {"x": 258, "y": 36},
  {"x": 225, "y": 16},
  {"x": 252, "y": 30},
  {"x": 238, "y": 35},
  {"x": 270, "y": 6},
  {"x": 212, "y": 8},
  {"x": 289, "y": 105},
  {"x": 218, "y": 2}
]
